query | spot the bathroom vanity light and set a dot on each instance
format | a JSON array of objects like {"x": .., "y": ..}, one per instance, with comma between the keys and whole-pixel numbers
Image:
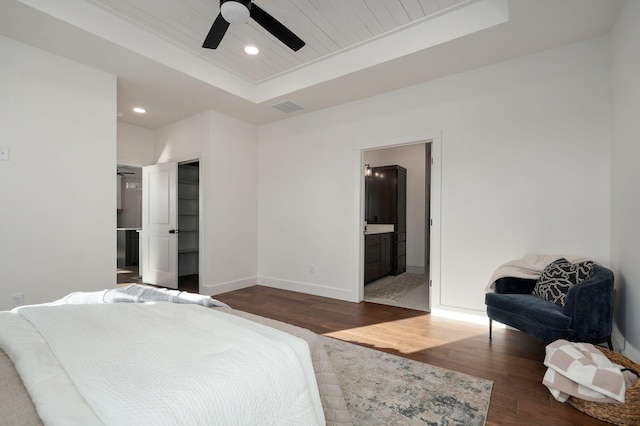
[{"x": 133, "y": 185}]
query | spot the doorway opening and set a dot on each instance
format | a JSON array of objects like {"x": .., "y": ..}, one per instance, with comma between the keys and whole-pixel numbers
[
  {"x": 129, "y": 223},
  {"x": 171, "y": 225},
  {"x": 398, "y": 223},
  {"x": 189, "y": 226}
]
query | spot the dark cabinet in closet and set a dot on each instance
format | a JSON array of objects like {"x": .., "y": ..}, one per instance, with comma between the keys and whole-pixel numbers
[{"x": 386, "y": 203}]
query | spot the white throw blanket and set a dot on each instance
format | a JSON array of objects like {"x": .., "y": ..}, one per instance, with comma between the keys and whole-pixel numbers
[
  {"x": 529, "y": 266},
  {"x": 581, "y": 370},
  {"x": 159, "y": 363},
  {"x": 138, "y": 293}
]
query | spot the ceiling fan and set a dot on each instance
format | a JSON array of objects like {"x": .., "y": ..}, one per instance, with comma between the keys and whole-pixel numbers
[{"x": 238, "y": 12}]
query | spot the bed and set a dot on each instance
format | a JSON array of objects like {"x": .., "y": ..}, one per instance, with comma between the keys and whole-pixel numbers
[{"x": 142, "y": 355}]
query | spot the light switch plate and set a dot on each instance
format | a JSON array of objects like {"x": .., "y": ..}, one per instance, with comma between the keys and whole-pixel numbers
[{"x": 4, "y": 153}]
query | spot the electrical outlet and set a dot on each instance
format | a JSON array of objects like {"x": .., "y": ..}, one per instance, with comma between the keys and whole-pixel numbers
[
  {"x": 4, "y": 153},
  {"x": 312, "y": 269},
  {"x": 18, "y": 299}
]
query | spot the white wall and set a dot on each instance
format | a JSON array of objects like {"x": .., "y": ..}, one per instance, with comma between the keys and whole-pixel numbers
[
  {"x": 625, "y": 196},
  {"x": 58, "y": 193},
  {"x": 136, "y": 145},
  {"x": 525, "y": 168},
  {"x": 412, "y": 158},
  {"x": 227, "y": 149}
]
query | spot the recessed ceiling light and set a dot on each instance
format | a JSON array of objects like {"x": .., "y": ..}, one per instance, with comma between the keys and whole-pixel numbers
[
  {"x": 250, "y": 49},
  {"x": 139, "y": 110}
]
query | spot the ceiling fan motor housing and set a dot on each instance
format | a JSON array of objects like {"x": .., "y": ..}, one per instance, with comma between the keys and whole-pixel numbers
[
  {"x": 235, "y": 11},
  {"x": 239, "y": 11}
]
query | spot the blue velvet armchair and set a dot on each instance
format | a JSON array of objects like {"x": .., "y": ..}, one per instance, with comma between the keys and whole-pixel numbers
[{"x": 586, "y": 316}]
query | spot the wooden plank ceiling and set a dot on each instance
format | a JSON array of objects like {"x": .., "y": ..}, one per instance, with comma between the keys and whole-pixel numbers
[{"x": 327, "y": 27}]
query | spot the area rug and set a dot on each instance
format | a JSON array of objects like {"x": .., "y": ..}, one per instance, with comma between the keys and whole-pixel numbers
[
  {"x": 384, "y": 389},
  {"x": 394, "y": 287},
  {"x": 405, "y": 290}
]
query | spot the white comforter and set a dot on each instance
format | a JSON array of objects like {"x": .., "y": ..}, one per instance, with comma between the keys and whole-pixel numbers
[{"x": 160, "y": 363}]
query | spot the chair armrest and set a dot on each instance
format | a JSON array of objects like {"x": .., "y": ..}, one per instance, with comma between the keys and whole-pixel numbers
[
  {"x": 590, "y": 305},
  {"x": 513, "y": 285}
]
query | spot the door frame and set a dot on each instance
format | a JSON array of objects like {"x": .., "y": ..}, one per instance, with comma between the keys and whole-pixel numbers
[
  {"x": 200, "y": 158},
  {"x": 200, "y": 218},
  {"x": 118, "y": 189},
  {"x": 192, "y": 158},
  {"x": 428, "y": 136}
]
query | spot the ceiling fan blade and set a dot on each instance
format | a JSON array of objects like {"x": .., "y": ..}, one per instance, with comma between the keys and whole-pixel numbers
[
  {"x": 217, "y": 31},
  {"x": 278, "y": 30}
]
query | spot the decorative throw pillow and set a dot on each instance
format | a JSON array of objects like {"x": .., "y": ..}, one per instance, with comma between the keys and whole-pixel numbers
[{"x": 557, "y": 278}]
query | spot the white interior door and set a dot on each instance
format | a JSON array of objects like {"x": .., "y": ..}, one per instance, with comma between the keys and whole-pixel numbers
[{"x": 159, "y": 224}]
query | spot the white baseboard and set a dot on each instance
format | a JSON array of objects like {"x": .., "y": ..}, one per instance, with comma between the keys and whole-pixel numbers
[
  {"x": 212, "y": 290},
  {"x": 631, "y": 352},
  {"x": 416, "y": 269},
  {"x": 459, "y": 314},
  {"x": 621, "y": 343},
  {"x": 314, "y": 289},
  {"x": 617, "y": 338}
]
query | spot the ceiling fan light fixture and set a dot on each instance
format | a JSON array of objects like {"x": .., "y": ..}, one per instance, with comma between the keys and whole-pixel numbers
[
  {"x": 235, "y": 12},
  {"x": 251, "y": 49}
]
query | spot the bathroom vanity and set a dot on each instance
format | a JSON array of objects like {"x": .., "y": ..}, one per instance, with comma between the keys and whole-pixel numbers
[{"x": 386, "y": 222}]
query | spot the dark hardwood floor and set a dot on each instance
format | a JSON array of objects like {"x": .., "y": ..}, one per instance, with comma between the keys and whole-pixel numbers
[
  {"x": 512, "y": 360},
  {"x": 128, "y": 275}
]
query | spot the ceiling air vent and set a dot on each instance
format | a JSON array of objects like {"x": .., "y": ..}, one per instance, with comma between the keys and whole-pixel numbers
[{"x": 287, "y": 107}]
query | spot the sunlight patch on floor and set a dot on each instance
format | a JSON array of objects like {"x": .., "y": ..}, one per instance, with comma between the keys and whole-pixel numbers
[
  {"x": 407, "y": 335},
  {"x": 460, "y": 316}
]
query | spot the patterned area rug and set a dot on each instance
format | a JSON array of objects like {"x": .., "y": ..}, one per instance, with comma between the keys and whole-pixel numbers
[
  {"x": 394, "y": 287},
  {"x": 384, "y": 389},
  {"x": 406, "y": 290}
]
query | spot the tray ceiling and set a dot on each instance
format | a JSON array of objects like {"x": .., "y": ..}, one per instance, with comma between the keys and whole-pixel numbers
[
  {"x": 355, "y": 48},
  {"x": 326, "y": 26}
]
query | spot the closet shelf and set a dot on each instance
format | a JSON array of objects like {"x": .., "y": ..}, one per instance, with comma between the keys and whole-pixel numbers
[{"x": 188, "y": 250}]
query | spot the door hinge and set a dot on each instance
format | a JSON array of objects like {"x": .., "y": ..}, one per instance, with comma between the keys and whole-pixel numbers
[{"x": 430, "y": 283}]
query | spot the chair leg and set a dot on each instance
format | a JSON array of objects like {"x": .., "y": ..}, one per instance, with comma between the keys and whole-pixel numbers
[
  {"x": 610, "y": 343},
  {"x": 490, "y": 327}
]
